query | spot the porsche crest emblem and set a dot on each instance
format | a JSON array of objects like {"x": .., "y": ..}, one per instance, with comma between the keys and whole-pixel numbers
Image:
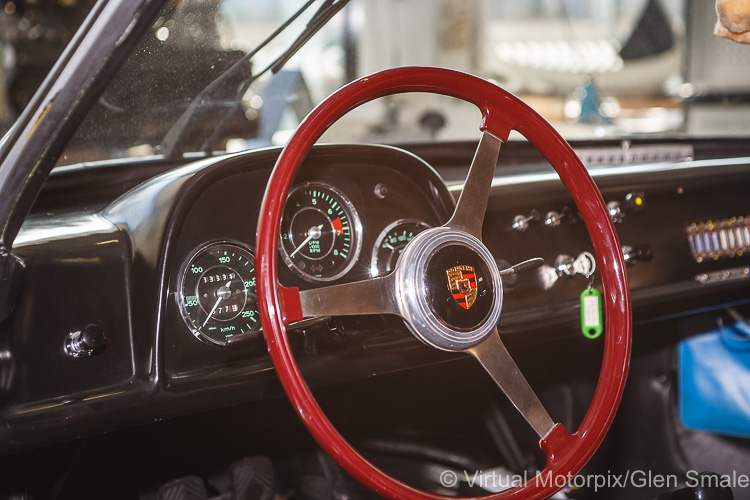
[{"x": 463, "y": 284}]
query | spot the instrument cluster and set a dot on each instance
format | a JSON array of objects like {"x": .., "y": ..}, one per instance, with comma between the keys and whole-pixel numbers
[{"x": 325, "y": 233}]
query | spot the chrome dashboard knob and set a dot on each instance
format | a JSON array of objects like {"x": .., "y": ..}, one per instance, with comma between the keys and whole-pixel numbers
[
  {"x": 554, "y": 218},
  {"x": 521, "y": 222},
  {"x": 634, "y": 254},
  {"x": 86, "y": 342},
  {"x": 634, "y": 201}
]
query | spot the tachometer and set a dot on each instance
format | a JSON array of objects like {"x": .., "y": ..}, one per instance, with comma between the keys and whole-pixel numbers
[
  {"x": 217, "y": 293},
  {"x": 320, "y": 232},
  {"x": 391, "y": 243}
]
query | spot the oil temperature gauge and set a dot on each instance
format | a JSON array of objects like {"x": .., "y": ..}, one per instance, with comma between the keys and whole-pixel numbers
[
  {"x": 391, "y": 243},
  {"x": 217, "y": 293}
]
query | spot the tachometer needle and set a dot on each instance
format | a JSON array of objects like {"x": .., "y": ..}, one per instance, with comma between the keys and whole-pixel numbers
[
  {"x": 222, "y": 296},
  {"x": 313, "y": 232}
]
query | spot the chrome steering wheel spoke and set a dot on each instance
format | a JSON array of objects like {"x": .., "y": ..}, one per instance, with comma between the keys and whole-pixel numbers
[
  {"x": 472, "y": 204},
  {"x": 497, "y": 361},
  {"x": 371, "y": 296}
]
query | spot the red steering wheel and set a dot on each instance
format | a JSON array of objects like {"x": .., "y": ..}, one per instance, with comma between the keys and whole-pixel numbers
[{"x": 416, "y": 289}]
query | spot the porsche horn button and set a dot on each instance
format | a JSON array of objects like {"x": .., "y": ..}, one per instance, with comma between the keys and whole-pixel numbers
[{"x": 462, "y": 281}]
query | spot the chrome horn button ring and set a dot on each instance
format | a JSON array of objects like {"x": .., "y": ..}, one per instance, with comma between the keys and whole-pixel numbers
[{"x": 450, "y": 293}]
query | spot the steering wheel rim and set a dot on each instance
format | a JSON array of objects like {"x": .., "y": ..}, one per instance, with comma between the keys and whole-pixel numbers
[{"x": 501, "y": 112}]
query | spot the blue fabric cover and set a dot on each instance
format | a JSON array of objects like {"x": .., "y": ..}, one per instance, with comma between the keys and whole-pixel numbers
[{"x": 714, "y": 381}]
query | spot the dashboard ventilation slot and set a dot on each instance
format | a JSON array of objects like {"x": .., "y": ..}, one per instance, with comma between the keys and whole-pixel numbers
[
  {"x": 628, "y": 154},
  {"x": 713, "y": 240}
]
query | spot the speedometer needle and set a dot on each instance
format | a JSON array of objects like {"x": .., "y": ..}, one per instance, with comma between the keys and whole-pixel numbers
[
  {"x": 221, "y": 297},
  {"x": 311, "y": 233}
]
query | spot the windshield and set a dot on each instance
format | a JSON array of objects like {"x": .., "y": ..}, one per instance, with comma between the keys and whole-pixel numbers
[{"x": 595, "y": 69}]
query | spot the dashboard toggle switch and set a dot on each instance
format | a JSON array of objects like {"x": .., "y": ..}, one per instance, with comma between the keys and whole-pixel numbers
[
  {"x": 633, "y": 255},
  {"x": 553, "y": 218},
  {"x": 635, "y": 201},
  {"x": 521, "y": 222}
]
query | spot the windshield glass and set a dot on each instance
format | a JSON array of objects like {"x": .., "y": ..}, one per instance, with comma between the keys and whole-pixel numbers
[{"x": 595, "y": 69}]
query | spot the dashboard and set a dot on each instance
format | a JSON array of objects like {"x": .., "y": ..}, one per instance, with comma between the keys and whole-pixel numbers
[
  {"x": 342, "y": 222},
  {"x": 139, "y": 301}
]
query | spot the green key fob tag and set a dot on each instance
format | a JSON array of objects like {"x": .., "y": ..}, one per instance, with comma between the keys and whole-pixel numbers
[{"x": 591, "y": 313}]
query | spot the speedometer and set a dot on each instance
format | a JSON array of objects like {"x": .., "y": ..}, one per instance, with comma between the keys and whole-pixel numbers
[
  {"x": 217, "y": 293},
  {"x": 320, "y": 232}
]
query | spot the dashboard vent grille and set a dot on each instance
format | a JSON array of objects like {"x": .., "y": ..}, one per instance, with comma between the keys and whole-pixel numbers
[
  {"x": 720, "y": 238},
  {"x": 627, "y": 154}
]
